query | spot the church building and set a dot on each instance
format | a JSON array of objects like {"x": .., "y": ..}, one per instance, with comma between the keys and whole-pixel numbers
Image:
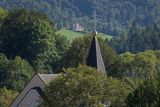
[{"x": 32, "y": 93}]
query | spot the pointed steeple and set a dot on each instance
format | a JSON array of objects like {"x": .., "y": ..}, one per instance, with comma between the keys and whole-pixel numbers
[{"x": 95, "y": 57}]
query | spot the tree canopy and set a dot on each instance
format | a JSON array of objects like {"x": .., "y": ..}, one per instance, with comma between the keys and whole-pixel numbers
[
  {"x": 3, "y": 14},
  {"x": 14, "y": 74},
  {"x": 137, "y": 39},
  {"x": 146, "y": 95},
  {"x": 84, "y": 86},
  {"x": 136, "y": 66},
  {"x": 6, "y": 96},
  {"x": 31, "y": 35}
]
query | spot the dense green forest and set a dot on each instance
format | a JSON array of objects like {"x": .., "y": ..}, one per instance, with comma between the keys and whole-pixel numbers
[
  {"x": 137, "y": 39},
  {"x": 113, "y": 16},
  {"x": 29, "y": 44}
]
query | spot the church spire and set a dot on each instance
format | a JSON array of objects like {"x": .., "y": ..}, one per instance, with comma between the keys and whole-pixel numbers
[{"x": 95, "y": 57}]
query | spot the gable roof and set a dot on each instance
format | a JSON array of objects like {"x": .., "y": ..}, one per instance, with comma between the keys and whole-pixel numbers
[
  {"x": 36, "y": 84},
  {"x": 95, "y": 57}
]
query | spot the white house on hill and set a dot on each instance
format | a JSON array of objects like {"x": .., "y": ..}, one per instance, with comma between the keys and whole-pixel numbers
[{"x": 77, "y": 27}]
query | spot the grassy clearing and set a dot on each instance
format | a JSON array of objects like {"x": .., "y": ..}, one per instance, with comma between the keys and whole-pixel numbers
[{"x": 71, "y": 35}]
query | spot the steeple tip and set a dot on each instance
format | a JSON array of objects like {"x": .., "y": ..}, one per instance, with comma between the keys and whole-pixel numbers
[{"x": 95, "y": 33}]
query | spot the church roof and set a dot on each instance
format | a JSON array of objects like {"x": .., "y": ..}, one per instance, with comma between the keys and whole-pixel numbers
[
  {"x": 33, "y": 90},
  {"x": 95, "y": 57}
]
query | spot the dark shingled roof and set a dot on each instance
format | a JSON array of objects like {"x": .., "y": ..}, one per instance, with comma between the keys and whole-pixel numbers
[
  {"x": 95, "y": 57},
  {"x": 36, "y": 85}
]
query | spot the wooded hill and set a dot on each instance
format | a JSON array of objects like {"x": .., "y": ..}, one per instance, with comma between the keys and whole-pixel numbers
[{"x": 113, "y": 16}]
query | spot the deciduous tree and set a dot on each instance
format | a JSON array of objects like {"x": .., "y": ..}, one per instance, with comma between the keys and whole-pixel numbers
[
  {"x": 6, "y": 96},
  {"x": 14, "y": 74},
  {"x": 85, "y": 87}
]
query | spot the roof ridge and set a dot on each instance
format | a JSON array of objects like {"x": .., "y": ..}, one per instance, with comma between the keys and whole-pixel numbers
[{"x": 39, "y": 75}]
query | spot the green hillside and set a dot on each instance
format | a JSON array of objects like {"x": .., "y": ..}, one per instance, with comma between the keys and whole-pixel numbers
[
  {"x": 113, "y": 16},
  {"x": 71, "y": 35}
]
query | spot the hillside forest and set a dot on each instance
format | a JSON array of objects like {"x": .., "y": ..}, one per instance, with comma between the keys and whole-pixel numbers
[
  {"x": 112, "y": 16},
  {"x": 29, "y": 44}
]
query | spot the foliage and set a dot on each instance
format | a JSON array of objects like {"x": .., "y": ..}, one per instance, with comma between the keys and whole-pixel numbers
[
  {"x": 62, "y": 46},
  {"x": 6, "y": 96},
  {"x": 83, "y": 87},
  {"x": 136, "y": 66},
  {"x": 3, "y": 14},
  {"x": 77, "y": 87},
  {"x": 28, "y": 35},
  {"x": 78, "y": 52},
  {"x": 31, "y": 36},
  {"x": 144, "y": 96},
  {"x": 137, "y": 39},
  {"x": 113, "y": 16},
  {"x": 14, "y": 74},
  {"x": 116, "y": 92}
]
